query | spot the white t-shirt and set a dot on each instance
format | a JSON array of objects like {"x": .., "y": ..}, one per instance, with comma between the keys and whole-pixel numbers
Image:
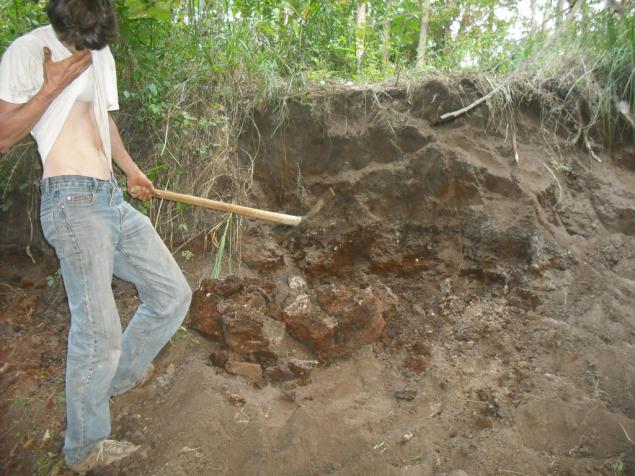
[{"x": 22, "y": 75}]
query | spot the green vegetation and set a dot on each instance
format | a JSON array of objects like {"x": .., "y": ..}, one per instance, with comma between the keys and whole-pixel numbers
[
  {"x": 21, "y": 403},
  {"x": 617, "y": 467},
  {"x": 223, "y": 245},
  {"x": 53, "y": 279},
  {"x": 48, "y": 462},
  {"x": 192, "y": 73},
  {"x": 183, "y": 333}
]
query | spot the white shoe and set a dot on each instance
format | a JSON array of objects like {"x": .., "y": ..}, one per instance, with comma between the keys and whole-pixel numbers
[{"x": 103, "y": 454}]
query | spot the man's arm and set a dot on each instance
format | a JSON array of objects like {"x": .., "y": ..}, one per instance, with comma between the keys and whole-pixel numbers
[
  {"x": 17, "y": 120},
  {"x": 139, "y": 186}
]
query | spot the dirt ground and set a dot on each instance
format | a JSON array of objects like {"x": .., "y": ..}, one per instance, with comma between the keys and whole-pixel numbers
[{"x": 506, "y": 341}]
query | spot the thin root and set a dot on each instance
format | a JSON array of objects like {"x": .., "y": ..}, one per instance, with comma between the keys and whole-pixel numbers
[
  {"x": 589, "y": 147},
  {"x": 516, "y": 157},
  {"x": 557, "y": 182}
]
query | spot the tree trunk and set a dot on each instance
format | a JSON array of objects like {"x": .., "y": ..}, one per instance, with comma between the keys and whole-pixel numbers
[
  {"x": 559, "y": 8},
  {"x": 545, "y": 16},
  {"x": 534, "y": 23},
  {"x": 360, "y": 32},
  {"x": 465, "y": 21},
  {"x": 423, "y": 33},
  {"x": 385, "y": 47}
]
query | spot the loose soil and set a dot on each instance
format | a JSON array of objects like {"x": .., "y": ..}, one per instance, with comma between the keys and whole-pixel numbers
[{"x": 506, "y": 293}]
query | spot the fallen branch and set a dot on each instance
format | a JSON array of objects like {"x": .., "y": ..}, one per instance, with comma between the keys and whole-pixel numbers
[{"x": 518, "y": 70}]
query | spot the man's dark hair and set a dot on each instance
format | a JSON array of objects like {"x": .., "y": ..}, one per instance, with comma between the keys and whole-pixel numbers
[{"x": 83, "y": 23}]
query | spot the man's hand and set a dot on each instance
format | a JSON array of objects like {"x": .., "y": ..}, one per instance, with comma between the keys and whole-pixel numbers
[
  {"x": 59, "y": 74},
  {"x": 16, "y": 120},
  {"x": 140, "y": 187}
]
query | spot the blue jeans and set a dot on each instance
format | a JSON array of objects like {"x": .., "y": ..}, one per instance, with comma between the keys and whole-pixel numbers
[{"x": 96, "y": 235}]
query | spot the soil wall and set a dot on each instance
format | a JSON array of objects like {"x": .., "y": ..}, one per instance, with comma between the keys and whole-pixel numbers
[{"x": 452, "y": 310}]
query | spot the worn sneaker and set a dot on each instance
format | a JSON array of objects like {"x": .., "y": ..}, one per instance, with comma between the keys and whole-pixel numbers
[{"x": 104, "y": 454}]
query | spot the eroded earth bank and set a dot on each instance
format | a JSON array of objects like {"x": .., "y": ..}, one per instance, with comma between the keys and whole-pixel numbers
[{"x": 449, "y": 311}]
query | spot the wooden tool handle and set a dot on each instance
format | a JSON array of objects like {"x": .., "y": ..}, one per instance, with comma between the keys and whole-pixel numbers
[{"x": 228, "y": 207}]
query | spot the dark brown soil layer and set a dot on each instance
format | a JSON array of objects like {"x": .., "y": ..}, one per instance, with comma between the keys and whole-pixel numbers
[{"x": 449, "y": 310}]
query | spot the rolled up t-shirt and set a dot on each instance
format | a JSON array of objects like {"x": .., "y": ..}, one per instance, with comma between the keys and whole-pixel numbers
[{"x": 22, "y": 76}]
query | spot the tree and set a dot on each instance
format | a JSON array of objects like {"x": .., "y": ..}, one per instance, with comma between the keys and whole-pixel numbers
[
  {"x": 385, "y": 45},
  {"x": 559, "y": 12},
  {"x": 534, "y": 22},
  {"x": 423, "y": 33},
  {"x": 360, "y": 32}
]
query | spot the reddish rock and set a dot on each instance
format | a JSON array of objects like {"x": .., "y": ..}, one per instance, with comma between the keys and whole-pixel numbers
[
  {"x": 226, "y": 287},
  {"x": 301, "y": 369},
  {"x": 305, "y": 321},
  {"x": 237, "y": 400},
  {"x": 266, "y": 358},
  {"x": 249, "y": 371},
  {"x": 334, "y": 258},
  {"x": 205, "y": 311},
  {"x": 407, "y": 395},
  {"x": 244, "y": 335},
  {"x": 334, "y": 322},
  {"x": 252, "y": 298},
  {"x": 279, "y": 373},
  {"x": 342, "y": 320},
  {"x": 417, "y": 363},
  {"x": 236, "y": 311},
  {"x": 219, "y": 358},
  {"x": 204, "y": 315},
  {"x": 389, "y": 255},
  {"x": 267, "y": 289},
  {"x": 422, "y": 348}
]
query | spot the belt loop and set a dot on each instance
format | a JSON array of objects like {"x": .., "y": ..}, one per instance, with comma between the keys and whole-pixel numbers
[
  {"x": 93, "y": 187},
  {"x": 44, "y": 186}
]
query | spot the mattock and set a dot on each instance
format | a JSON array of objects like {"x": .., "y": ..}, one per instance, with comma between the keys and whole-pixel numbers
[{"x": 247, "y": 211}]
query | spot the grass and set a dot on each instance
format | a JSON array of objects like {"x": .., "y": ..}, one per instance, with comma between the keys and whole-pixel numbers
[
  {"x": 53, "y": 279},
  {"x": 191, "y": 93},
  {"x": 183, "y": 333},
  {"x": 618, "y": 467},
  {"x": 48, "y": 463},
  {"x": 223, "y": 246},
  {"x": 21, "y": 403}
]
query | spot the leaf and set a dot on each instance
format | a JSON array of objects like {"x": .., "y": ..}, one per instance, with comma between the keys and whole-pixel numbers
[
  {"x": 152, "y": 89},
  {"x": 160, "y": 10},
  {"x": 180, "y": 207}
]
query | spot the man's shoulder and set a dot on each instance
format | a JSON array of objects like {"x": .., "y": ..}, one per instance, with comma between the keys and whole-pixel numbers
[
  {"x": 32, "y": 43},
  {"x": 39, "y": 34}
]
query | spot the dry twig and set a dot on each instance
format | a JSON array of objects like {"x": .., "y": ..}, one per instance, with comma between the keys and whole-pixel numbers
[
  {"x": 627, "y": 437},
  {"x": 557, "y": 182},
  {"x": 518, "y": 70},
  {"x": 511, "y": 472},
  {"x": 516, "y": 157}
]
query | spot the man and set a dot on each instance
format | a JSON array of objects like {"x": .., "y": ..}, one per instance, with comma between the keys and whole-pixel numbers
[{"x": 59, "y": 82}]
